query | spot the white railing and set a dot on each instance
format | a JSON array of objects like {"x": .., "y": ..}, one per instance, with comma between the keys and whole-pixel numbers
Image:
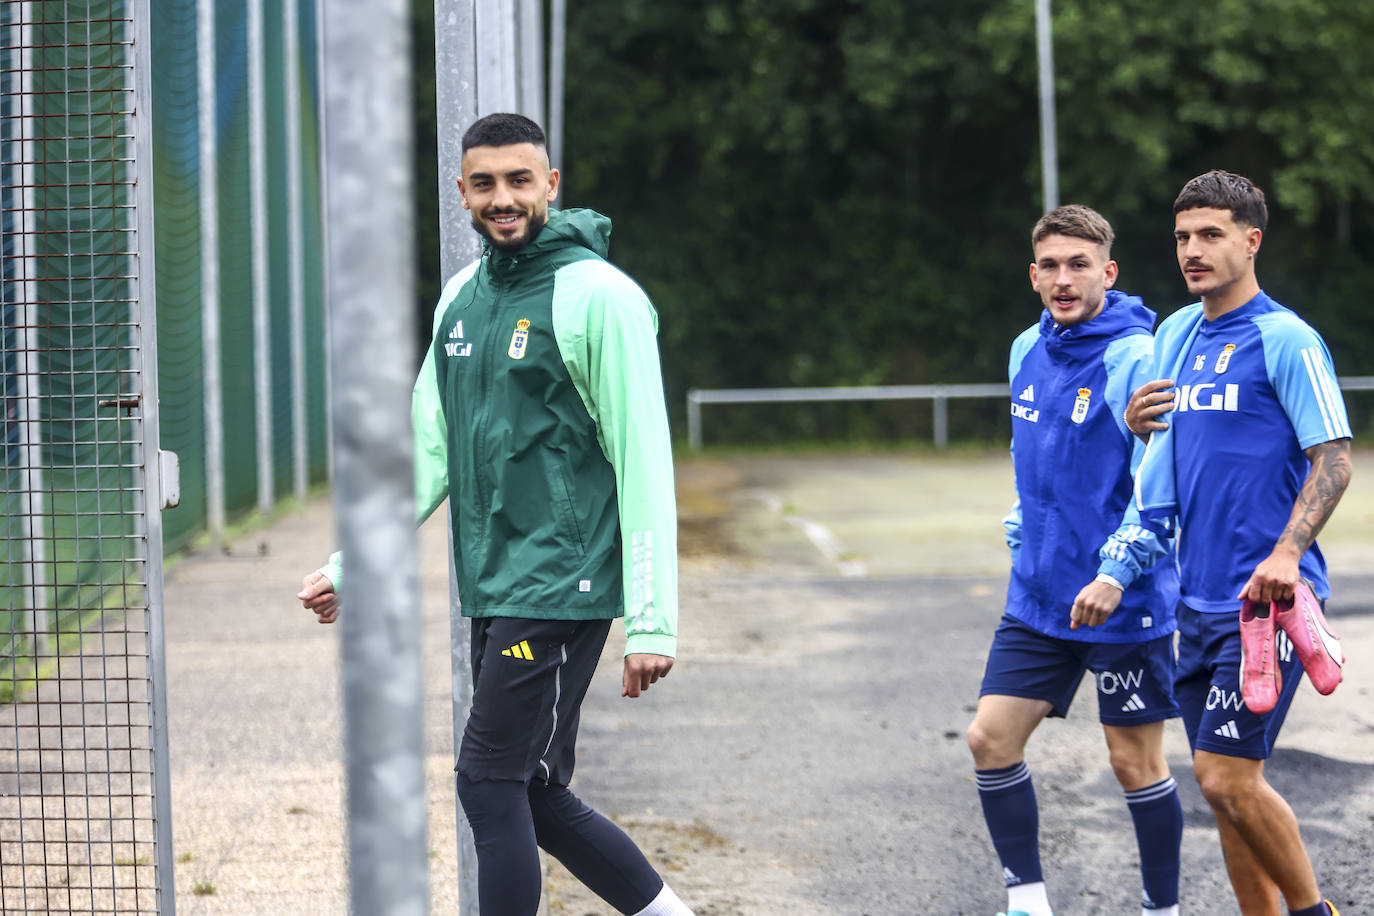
[{"x": 938, "y": 395}]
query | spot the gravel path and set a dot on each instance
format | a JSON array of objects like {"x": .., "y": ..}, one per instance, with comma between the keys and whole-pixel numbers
[{"x": 806, "y": 755}]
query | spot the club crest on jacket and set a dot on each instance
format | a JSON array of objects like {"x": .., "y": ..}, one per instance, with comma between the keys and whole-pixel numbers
[{"x": 519, "y": 339}]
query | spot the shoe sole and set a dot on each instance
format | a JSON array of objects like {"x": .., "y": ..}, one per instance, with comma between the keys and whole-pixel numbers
[
  {"x": 1260, "y": 681},
  {"x": 1319, "y": 648}
]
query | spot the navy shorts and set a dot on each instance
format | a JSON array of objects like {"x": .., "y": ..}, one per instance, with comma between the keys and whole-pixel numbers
[
  {"x": 1134, "y": 680},
  {"x": 529, "y": 678},
  {"x": 1208, "y": 686}
]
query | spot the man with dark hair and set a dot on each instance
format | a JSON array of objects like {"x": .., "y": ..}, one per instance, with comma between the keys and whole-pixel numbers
[
  {"x": 1071, "y": 375},
  {"x": 1251, "y": 465},
  {"x": 539, "y": 414}
]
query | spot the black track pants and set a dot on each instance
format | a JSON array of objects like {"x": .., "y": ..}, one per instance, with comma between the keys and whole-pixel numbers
[{"x": 509, "y": 819}]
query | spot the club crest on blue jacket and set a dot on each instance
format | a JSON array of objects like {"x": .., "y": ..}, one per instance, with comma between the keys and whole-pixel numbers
[{"x": 1080, "y": 405}]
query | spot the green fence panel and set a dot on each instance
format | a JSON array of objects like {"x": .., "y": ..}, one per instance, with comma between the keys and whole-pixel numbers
[
  {"x": 312, "y": 214},
  {"x": 177, "y": 189},
  {"x": 236, "y": 260},
  {"x": 278, "y": 248}
]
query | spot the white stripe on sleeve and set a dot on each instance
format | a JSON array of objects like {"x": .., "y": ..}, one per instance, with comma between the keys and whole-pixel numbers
[{"x": 1314, "y": 374}]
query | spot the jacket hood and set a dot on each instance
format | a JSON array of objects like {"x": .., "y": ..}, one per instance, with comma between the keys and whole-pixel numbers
[
  {"x": 577, "y": 226},
  {"x": 1120, "y": 312}
]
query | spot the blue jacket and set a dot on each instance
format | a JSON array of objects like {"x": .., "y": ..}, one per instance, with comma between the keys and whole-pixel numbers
[{"x": 1073, "y": 459}]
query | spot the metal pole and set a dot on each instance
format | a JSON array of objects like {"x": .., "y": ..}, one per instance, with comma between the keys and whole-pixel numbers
[
  {"x": 145, "y": 306},
  {"x": 530, "y": 29},
  {"x": 456, "y": 106},
  {"x": 558, "y": 28},
  {"x": 28, "y": 407},
  {"x": 294, "y": 246},
  {"x": 262, "y": 316},
  {"x": 1049, "y": 152},
  {"x": 693, "y": 421},
  {"x": 371, "y": 247},
  {"x": 509, "y": 24},
  {"x": 326, "y": 314},
  {"x": 209, "y": 269},
  {"x": 941, "y": 420},
  {"x": 460, "y": 659},
  {"x": 495, "y": 55}
]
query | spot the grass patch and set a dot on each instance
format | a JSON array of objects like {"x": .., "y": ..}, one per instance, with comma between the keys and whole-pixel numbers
[
  {"x": 703, "y": 836},
  {"x": 204, "y": 888},
  {"x": 141, "y": 860}
]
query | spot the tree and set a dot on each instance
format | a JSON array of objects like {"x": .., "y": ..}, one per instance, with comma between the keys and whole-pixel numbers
[{"x": 827, "y": 192}]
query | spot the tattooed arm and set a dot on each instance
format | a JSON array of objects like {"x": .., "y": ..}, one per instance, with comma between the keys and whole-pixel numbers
[{"x": 1277, "y": 575}]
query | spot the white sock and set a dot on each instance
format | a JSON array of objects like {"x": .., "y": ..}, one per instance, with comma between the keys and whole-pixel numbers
[
  {"x": 1029, "y": 898},
  {"x": 1162, "y": 911},
  {"x": 665, "y": 904}
]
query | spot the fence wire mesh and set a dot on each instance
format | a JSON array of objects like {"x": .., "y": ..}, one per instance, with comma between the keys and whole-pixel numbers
[{"x": 78, "y": 821}]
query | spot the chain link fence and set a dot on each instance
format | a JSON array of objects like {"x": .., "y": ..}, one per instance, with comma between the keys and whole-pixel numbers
[{"x": 84, "y": 824}]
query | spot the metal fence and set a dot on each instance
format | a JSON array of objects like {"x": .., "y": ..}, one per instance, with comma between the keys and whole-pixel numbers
[
  {"x": 938, "y": 395},
  {"x": 84, "y": 802},
  {"x": 231, "y": 90},
  {"x": 241, "y": 283}
]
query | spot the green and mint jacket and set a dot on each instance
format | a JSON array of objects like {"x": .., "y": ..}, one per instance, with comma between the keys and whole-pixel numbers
[{"x": 539, "y": 414}]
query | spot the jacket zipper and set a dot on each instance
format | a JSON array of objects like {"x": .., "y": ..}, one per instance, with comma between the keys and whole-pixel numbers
[{"x": 484, "y": 388}]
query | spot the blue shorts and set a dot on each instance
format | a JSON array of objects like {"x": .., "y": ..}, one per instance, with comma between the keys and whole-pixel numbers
[
  {"x": 1134, "y": 680},
  {"x": 1208, "y": 687}
]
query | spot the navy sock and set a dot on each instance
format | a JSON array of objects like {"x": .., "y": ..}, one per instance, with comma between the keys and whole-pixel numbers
[
  {"x": 1320, "y": 909},
  {"x": 1013, "y": 819},
  {"x": 1158, "y": 818},
  {"x": 596, "y": 851}
]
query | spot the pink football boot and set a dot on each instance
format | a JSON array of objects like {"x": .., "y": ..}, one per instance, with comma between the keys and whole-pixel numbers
[
  {"x": 1260, "y": 681},
  {"x": 1318, "y": 647}
]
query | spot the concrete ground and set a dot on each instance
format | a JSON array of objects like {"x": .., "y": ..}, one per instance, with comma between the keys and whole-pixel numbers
[
  {"x": 795, "y": 573},
  {"x": 255, "y": 723}
]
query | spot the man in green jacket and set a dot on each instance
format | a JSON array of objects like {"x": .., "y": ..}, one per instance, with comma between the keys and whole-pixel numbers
[{"x": 539, "y": 415}]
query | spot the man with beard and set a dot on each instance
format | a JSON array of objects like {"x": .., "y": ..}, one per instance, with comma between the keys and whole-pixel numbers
[
  {"x": 1251, "y": 463},
  {"x": 539, "y": 414},
  {"x": 1071, "y": 375}
]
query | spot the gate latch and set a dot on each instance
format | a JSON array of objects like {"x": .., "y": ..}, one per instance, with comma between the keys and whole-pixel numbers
[{"x": 169, "y": 478}]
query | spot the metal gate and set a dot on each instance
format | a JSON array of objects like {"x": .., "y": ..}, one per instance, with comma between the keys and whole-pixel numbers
[{"x": 84, "y": 799}]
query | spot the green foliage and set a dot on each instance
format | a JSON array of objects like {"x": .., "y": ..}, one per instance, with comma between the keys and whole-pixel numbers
[
  {"x": 781, "y": 168},
  {"x": 1150, "y": 95},
  {"x": 823, "y": 192},
  {"x": 428, "y": 281}
]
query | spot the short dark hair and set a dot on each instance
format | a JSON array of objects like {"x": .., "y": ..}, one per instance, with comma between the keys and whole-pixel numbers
[
  {"x": 1076, "y": 221},
  {"x": 503, "y": 129},
  {"x": 1225, "y": 191}
]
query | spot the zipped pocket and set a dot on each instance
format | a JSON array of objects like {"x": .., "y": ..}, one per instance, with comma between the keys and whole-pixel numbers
[{"x": 564, "y": 507}]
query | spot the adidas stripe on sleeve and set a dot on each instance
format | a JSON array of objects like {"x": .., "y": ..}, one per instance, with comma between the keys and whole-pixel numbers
[{"x": 1299, "y": 367}]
